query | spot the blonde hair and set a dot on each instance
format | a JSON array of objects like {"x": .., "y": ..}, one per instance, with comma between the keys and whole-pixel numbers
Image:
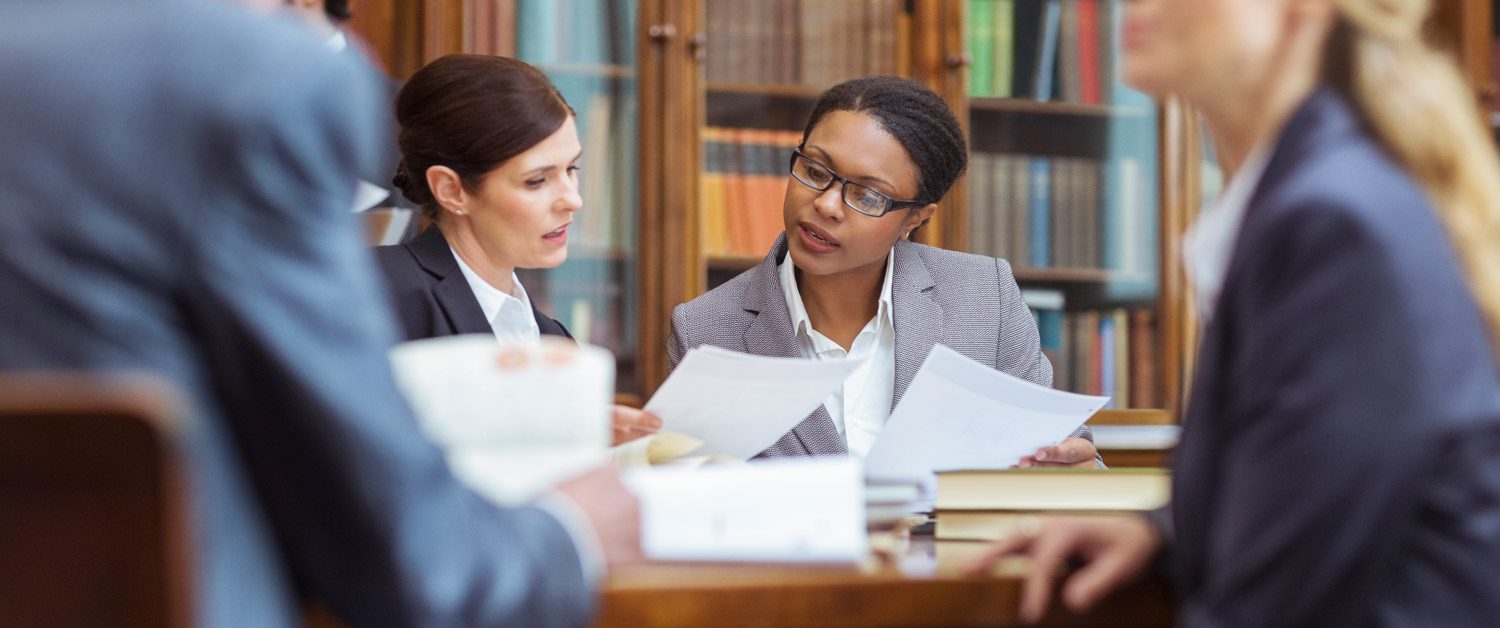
[{"x": 1419, "y": 106}]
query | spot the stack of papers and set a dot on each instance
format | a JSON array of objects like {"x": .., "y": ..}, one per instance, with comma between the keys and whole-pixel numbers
[{"x": 960, "y": 414}]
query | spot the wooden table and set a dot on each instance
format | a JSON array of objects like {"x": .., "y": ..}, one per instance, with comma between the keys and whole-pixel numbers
[{"x": 923, "y": 587}]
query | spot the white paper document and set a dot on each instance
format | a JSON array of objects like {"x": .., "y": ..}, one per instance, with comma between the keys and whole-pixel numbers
[
  {"x": 960, "y": 414},
  {"x": 510, "y": 433},
  {"x": 740, "y": 404},
  {"x": 808, "y": 510}
]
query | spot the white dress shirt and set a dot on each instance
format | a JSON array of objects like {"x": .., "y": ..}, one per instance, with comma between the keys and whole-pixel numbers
[
  {"x": 862, "y": 405},
  {"x": 1208, "y": 246},
  {"x": 509, "y": 313}
]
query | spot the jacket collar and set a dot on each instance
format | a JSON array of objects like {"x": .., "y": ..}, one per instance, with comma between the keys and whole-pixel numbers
[{"x": 451, "y": 290}]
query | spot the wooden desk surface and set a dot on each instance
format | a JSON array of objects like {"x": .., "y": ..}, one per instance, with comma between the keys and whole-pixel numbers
[{"x": 921, "y": 588}]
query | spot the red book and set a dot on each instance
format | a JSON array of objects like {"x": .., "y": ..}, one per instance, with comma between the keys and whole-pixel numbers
[{"x": 1088, "y": 50}]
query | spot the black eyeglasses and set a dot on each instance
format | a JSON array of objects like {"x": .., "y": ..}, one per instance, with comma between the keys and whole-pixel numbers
[{"x": 858, "y": 197}]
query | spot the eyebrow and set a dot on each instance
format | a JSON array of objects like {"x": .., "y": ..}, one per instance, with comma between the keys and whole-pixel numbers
[
  {"x": 872, "y": 179},
  {"x": 546, "y": 169}
]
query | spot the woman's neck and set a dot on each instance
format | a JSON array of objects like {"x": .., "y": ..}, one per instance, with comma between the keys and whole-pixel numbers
[
  {"x": 1250, "y": 107},
  {"x": 840, "y": 305},
  {"x": 460, "y": 236}
]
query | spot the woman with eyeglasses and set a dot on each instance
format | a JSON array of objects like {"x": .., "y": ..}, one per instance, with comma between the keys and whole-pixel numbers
[{"x": 844, "y": 280}]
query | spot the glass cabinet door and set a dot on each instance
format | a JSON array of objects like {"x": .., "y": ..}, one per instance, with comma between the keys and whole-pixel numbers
[
  {"x": 1063, "y": 183},
  {"x": 588, "y": 49}
]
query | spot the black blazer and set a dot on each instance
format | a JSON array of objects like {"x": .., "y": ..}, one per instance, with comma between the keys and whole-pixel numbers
[
  {"x": 1340, "y": 460},
  {"x": 431, "y": 294}
]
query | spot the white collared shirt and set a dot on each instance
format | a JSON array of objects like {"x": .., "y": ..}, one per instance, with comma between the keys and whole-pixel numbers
[
  {"x": 861, "y": 406},
  {"x": 1208, "y": 245},
  {"x": 509, "y": 313}
]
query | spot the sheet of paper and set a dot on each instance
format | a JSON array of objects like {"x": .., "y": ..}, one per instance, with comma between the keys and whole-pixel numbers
[
  {"x": 366, "y": 195},
  {"x": 509, "y": 433},
  {"x": 740, "y": 404},
  {"x": 960, "y": 414},
  {"x": 808, "y": 510}
]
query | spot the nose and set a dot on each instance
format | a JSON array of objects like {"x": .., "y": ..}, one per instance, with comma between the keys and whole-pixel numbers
[
  {"x": 572, "y": 198},
  {"x": 830, "y": 202}
]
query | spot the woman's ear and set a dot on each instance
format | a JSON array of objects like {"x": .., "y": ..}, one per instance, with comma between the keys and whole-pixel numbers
[
  {"x": 916, "y": 218},
  {"x": 447, "y": 189}
]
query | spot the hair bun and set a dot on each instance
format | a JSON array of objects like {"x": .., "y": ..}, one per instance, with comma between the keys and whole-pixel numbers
[{"x": 413, "y": 189}]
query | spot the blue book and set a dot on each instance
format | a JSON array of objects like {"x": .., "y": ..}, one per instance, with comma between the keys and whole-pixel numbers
[
  {"x": 1040, "y": 218},
  {"x": 537, "y": 32},
  {"x": 1107, "y": 357},
  {"x": 1046, "y": 62},
  {"x": 1049, "y": 324}
]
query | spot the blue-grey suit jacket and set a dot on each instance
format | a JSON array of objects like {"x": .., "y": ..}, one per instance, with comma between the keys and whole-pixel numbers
[
  {"x": 175, "y": 181},
  {"x": 968, "y": 302},
  {"x": 1340, "y": 462}
]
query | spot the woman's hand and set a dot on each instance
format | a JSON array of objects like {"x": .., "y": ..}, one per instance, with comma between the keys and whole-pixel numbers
[
  {"x": 631, "y": 424},
  {"x": 1113, "y": 549},
  {"x": 1072, "y": 452}
]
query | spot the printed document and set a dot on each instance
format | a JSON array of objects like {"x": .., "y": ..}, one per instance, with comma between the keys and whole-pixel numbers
[
  {"x": 960, "y": 414},
  {"x": 740, "y": 404}
]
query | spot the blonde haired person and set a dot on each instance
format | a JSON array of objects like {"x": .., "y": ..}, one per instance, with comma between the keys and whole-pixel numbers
[{"x": 1340, "y": 464}]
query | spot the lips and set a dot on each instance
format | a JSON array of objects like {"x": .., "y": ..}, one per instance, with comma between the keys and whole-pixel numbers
[
  {"x": 557, "y": 232},
  {"x": 816, "y": 240}
]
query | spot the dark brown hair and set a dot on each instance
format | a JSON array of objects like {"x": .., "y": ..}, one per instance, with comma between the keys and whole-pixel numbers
[{"x": 471, "y": 113}]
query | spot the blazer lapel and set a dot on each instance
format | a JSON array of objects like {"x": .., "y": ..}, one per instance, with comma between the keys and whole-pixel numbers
[
  {"x": 917, "y": 318},
  {"x": 451, "y": 291},
  {"x": 770, "y": 334}
]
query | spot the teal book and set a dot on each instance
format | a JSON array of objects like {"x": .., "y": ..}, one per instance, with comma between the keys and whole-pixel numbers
[
  {"x": 1040, "y": 245},
  {"x": 1046, "y": 61}
]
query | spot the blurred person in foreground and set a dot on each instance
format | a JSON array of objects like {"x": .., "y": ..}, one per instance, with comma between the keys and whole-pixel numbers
[
  {"x": 1340, "y": 460},
  {"x": 177, "y": 180}
]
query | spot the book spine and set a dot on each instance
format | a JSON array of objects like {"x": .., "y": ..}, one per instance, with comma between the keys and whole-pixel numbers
[
  {"x": 981, "y": 206},
  {"x": 1040, "y": 216},
  {"x": 1088, "y": 50},
  {"x": 1004, "y": 58},
  {"x": 981, "y": 47},
  {"x": 1046, "y": 62}
]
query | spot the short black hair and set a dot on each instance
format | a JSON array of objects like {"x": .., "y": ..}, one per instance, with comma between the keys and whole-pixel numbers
[
  {"x": 913, "y": 114},
  {"x": 337, "y": 10}
]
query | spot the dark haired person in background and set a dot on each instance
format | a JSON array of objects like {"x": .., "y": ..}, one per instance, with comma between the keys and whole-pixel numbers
[
  {"x": 490, "y": 153},
  {"x": 205, "y": 160},
  {"x": 877, "y": 155}
]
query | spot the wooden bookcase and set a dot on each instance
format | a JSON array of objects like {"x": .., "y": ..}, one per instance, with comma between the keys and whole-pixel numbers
[{"x": 693, "y": 69}]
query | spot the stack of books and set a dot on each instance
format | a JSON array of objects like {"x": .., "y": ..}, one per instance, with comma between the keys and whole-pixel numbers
[
  {"x": 1057, "y": 50},
  {"x": 804, "y": 42},
  {"x": 991, "y": 504},
  {"x": 744, "y": 183}
]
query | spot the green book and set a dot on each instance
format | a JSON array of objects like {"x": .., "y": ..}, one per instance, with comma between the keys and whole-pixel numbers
[
  {"x": 1003, "y": 60},
  {"x": 981, "y": 46}
]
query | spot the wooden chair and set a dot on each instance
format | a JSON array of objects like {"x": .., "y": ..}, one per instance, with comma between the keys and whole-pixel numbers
[{"x": 92, "y": 530}]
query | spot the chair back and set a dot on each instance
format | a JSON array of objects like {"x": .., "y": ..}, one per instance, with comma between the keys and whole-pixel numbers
[{"x": 92, "y": 530}]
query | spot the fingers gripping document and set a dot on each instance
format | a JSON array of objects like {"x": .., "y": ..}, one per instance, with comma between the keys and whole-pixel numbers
[
  {"x": 960, "y": 414},
  {"x": 740, "y": 404}
]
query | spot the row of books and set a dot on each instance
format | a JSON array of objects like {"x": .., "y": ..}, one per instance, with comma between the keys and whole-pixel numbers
[
  {"x": 1061, "y": 212},
  {"x": 806, "y": 42},
  {"x": 1101, "y": 352},
  {"x": 1064, "y": 50},
  {"x": 992, "y": 504},
  {"x": 743, "y": 185}
]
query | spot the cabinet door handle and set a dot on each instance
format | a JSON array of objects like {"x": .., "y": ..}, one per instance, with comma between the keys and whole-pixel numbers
[
  {"x": 662, "y": 32},
  {"x": 699, "y": 45},
  {"x": 960, "y": 60}
]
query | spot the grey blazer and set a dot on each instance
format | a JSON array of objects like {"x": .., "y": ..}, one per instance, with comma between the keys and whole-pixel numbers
[
  {"x": 968, "y": 302},
  {"x": 177, "y": 177}
]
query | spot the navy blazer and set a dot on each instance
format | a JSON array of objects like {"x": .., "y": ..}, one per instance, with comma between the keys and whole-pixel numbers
[
  {"x": 1340, "y": 462},
  {"x": 432, "y": 295},
  {"x": 177, "y": 178}
]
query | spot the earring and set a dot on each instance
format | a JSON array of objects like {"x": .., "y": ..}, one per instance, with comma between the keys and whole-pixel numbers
[{"x": 458, "y": 212}]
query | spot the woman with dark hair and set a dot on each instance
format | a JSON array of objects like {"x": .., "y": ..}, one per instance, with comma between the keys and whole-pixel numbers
[
  {"x": 844, "y": 280},
  {"x": 490, "y": 153}
]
